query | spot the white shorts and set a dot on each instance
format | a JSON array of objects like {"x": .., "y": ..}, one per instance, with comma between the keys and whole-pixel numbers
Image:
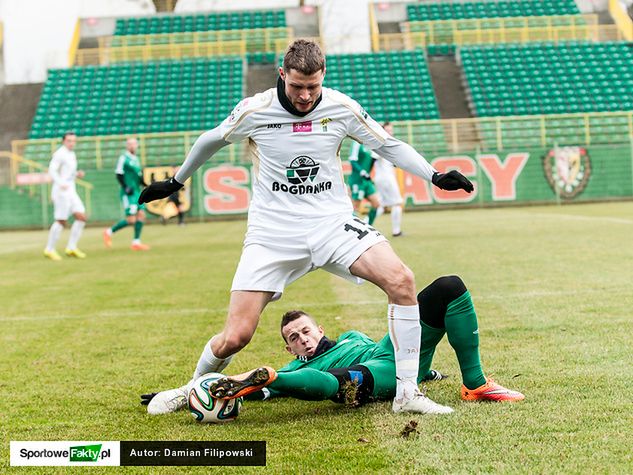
[
  {"x": 270, "y": 261},
  {"x": 66, "y": 203},
  {"x": 388, "y": 191}
]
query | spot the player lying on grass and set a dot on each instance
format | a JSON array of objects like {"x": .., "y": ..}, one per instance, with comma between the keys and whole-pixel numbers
[{"x": 355, "y": 369}]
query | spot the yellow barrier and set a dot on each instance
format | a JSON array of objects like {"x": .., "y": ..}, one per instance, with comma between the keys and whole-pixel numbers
[
  {"x": 501, "y": 133},
  {"x": 437, "y": 136},
  {"x": 531, "y": 34},
  {"x": 621, "y": 19},
  {"x": 103, "y": 56},
  {"x": 257, "y": 39},
  {"x": 442, "y": 31},
  {"x": 180, "y": 45},
  {"x": 101, "y": 152},
  {"x": 74, "y": 44},
  {"x": 400, "y": 41}
]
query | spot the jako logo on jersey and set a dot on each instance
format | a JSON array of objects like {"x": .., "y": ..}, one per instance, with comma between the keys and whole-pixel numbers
[
  {"x": 274, "y": 126},
  {"x": 302, "y": 126},
  {"x": 567, "y": 170},
  {"x": 324, "y": 123},
  {"x": 301, "y": 170}
]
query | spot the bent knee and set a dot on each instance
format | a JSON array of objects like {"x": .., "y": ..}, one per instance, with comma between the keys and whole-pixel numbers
[
  {"x": 235, "y": 341},
  {"x": 402, "y": 284}
]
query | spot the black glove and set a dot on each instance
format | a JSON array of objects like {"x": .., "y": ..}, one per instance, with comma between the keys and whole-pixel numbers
[
  {"x": 146, "y": 398},
  {"x": 452, "y": 181},
  {"x": 365, "y": 175},
  {"x": 159, "y": 190},
  {"x": 128, "y": 190}
]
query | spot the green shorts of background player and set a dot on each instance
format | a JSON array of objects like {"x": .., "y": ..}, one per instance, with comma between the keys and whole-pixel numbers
[
  {"x": 360, "y": 183},
  {"x": 129, "y": 174},
  {"x": 355, "y": 369}
]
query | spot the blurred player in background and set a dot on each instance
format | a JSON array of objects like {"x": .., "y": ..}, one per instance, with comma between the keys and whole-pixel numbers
[
  {"x": 360, "y": 182},
  {"x": 66, "y": 201},
  {"x": 387, "y": 188},
  {"x": 324, "y": 368},
  {"x": 129, "y": 174},
  {"x": 300, "y": 216}
]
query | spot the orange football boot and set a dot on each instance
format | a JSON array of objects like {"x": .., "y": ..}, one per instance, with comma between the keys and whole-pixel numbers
[
  {"x": 139, "y": 246},
  {"x": 240, "y": 385},
  {"x": 490, "y": 391}
]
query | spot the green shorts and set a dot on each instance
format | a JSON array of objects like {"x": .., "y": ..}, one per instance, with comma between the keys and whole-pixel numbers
[
  {"x": 361, "y": 188},
  {"x": 130, "y": 203}
]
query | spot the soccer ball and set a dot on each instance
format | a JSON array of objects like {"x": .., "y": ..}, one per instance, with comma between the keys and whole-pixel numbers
[{"x": 206, "y": 408}]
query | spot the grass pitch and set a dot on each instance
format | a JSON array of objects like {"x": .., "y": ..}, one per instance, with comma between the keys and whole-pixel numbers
[{"x": 553, "y": 291}]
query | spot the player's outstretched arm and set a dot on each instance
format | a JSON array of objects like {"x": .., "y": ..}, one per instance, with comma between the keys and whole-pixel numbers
[
  {"x": 404, "y": 156},
  {"x": 203, "y": 149}
]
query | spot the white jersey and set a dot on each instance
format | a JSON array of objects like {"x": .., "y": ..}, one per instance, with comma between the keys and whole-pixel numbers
[
  {"x": 297, "y": 168},
  {"x": 297, "y": 171},
  {"x": 63, "y": 170}
]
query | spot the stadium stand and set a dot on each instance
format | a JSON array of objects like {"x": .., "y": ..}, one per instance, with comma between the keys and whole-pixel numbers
[
  {"x": 440, "y": 20},
  {"x": 505, "y": 8},
  {"x": 549, "y": 78},
  {"x": 139, "y": 97},
  {"x": 189, "y": 23},
  {"x": 393, "y": 85}
]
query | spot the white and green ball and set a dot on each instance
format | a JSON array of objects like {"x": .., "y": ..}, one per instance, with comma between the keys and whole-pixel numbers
[{"x": 206, "y": 408}]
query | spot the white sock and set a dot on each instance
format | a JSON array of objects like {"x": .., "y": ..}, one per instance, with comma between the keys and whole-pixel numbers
[
  {"x": 53, "y": 235},
  {"x": 137, "y": 241},
  {"x": 75, "y": 233},
  {"x": 380, "y": 211},
  {"x": 209, "y": 363},
  {"x": 396, "y": 219},
  {"x": 405, "y": 332}
]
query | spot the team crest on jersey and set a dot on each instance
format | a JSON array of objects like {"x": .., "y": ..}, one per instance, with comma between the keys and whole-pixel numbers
[
  {"x": 166, "y": 208},
  {"x": 567, "y": 170},
  {"x": 324, "y": 123},
  {"x": 301, "y": 174},
  {"x": 302, "y": 169}
]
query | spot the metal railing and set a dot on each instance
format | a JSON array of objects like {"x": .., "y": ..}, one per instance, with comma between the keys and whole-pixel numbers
[
  {"x": 448, "y": 135},
  {"x": 503, "y": 133},
  {"x": 528, "y": 34},
  {"x": 442, "y": 32},
  {"x": 101, "y": 152},
  {"x": 104, "y": 56},
  {"x": 182, "y": 44}
]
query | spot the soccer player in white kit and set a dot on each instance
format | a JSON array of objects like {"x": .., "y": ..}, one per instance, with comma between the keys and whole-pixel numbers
[
  {"x": 66, "y": 201},
  {"x": 387, "y": 188},
  {"x": 300, "y": 216}
]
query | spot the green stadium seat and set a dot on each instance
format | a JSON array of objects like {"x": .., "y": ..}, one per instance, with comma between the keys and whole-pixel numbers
[
  {"x": 552, "y": 79},
  {"x": 136, "y": 97}
]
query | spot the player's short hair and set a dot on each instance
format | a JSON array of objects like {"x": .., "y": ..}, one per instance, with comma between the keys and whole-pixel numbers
[
  {"x": 304, "y": 56},
  {"x": 386, "y": 123},
  {"x": 66, "y": 134},
  {"x": 291, "y": 316}
]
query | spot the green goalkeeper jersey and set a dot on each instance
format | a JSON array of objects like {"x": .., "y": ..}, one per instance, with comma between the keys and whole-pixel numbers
[
  {"x": 361, "y": 161},
  {"x": 351, "y": 348},
  {"x": 130, "y": 167}
]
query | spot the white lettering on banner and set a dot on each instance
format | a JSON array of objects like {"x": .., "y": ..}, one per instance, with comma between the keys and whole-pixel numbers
[{"x": 503, "y": 176}]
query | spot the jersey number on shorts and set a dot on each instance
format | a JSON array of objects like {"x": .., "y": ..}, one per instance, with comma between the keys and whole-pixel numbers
[{"x": 361, "y": 233}]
